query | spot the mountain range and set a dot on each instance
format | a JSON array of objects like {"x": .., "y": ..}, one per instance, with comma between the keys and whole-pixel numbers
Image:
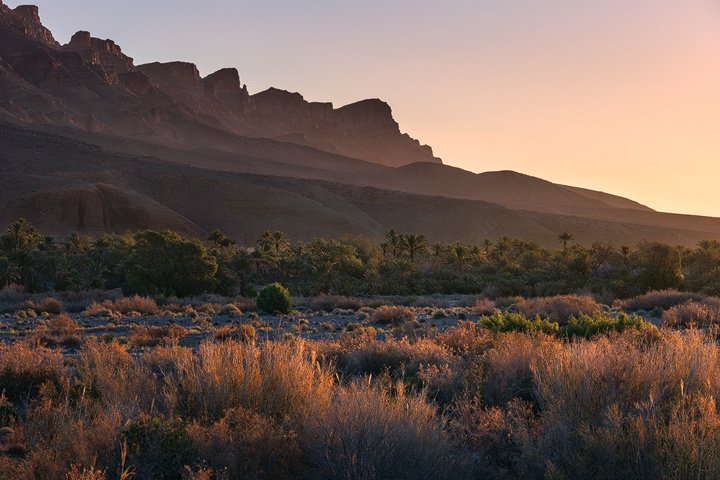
[{"x": 91, "y": 142}]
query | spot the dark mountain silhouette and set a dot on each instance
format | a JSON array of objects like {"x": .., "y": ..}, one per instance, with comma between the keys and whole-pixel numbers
[{"x": 91, "y": 142}]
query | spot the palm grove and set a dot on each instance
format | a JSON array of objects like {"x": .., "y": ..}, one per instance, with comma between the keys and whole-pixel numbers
[{"x": 165, "y": 263}]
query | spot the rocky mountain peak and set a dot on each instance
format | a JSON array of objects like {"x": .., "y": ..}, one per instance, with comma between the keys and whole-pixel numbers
[
  {"x": 224, "y": 81},
  {"x": 100, "y": 52},
  {"x": 30, "y": 13},
  {"x": 174, "y": 77},
  {"x": 24, "y": 20},
  {"x": 371, "y": 115}
]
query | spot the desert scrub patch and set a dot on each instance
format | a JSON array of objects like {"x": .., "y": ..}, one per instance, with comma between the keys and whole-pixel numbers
[
  {"x": 328, "y": 303},
  {"x": 241, "y": 332},
  {"x": 560, "y": 307},
  {"x": 151, "y": 336},
  {"x": 229, "y": 310},
  {"x": 393, "y": 315},
  {"x": 136, "y": 303},
  {"x": 663, "y": 299},
  {"x": 49, "y": 305},
  {"x": 692, "y": 314},
  {"x": 24, "y": 367}
]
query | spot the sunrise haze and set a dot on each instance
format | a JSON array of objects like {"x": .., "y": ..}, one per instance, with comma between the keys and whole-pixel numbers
[{"x": 615, "y": 96}]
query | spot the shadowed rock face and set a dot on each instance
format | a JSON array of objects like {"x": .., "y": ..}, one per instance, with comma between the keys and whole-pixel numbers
[
  {"x": 175, "y": 78},
  {"x": 364, "y": 130},
  {"x": 89, "y": 83}
]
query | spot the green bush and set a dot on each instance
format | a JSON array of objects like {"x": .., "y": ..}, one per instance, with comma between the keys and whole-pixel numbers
[
  {"x": 517, "y": 322},
  {"x": 274, "y": 298},
  {"x": 588, "y": 325},
  {"x": 584, "y": 325}
]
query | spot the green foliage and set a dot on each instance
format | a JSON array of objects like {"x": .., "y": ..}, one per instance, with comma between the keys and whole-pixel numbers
[
  {"x": 517, "y": 322},
  {"x": 164, "y": 262},
  {"x": 274, "y": 298},
  {"x": 661, "y": 266},
  {"x": 587, "y": 326},
  {"x": 151, "y": 263}
]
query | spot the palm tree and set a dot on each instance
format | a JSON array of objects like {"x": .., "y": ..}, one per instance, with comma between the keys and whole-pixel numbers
[
  {"x": 413, "y": 244},
  {"x": 275, "y": 241},
  {"x": 478, "y": 254},
  {"x": 565, "y": 238},
  {"x": 220, "y": 239},
  {"x": 393, "y": 240},
  {"x": 457, "y": 255}
]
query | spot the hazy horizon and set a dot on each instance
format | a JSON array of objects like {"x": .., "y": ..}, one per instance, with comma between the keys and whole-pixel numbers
[{"x": 603, "y": 95}]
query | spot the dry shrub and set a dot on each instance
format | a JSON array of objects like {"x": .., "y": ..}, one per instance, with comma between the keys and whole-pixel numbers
[
  {"x": 577, "y": 386},
  {"x": 99, "y": 309},
  {"x": 162, "y": 360},
  {"x": 91, "y": 473},
  {"x": 505, "y": 371},
  {"x": 506, "y": 302},
  {"x": 484, "y": 306},
  {"x": 244, "y": 444},
  {"x": 241, "y": 332},
  {"x": 108, "y": 373},
  {"x": 136, "y": 303},
  {"x": 328, "y": 303},
  {"x": 202, "y": 473},
  {"x": 230, "y": 310},
  {"x": 663, "y": 299},
  {"x": 692, "y": 314},
  {"x": 207, "y": 308},
  {"x": 275, "y": 379},
  {"x": 559, "y": 308},
  {"x": 60, "y": 330},
  {"x": 466, "y": 339},
  {"x": 49, "y": 305},
  {"x": 13, "y": 468},
  {"x": 367, "y": 433},
  {"x": 619, "y": 406},
  {"x": 152, "y": 336},
  {"x": 83, "y": 434},
  {"x": 644, "y": 444},
  {"x": 24, "y": 367},
  {"x": 63, "y": 325},
  {"x": 362, "y": 353},
  {"x": 502, "y": 439},
  {"x": 393, "y": 315},
  {"x": 442, "y": 383}
]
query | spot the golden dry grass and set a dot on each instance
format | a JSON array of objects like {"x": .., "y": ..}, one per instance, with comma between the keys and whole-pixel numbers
[{"x": 464, "y": 403}]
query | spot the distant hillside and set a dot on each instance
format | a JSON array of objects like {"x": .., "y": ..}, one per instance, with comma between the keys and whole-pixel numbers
[{"x": 64, "y": 185}]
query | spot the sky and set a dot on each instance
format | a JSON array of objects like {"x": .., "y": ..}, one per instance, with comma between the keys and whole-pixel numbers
[{"x": 614, "y": 95}]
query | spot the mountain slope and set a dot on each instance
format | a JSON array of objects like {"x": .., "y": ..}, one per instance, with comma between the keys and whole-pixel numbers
[{"x": 91, "y": 190}]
